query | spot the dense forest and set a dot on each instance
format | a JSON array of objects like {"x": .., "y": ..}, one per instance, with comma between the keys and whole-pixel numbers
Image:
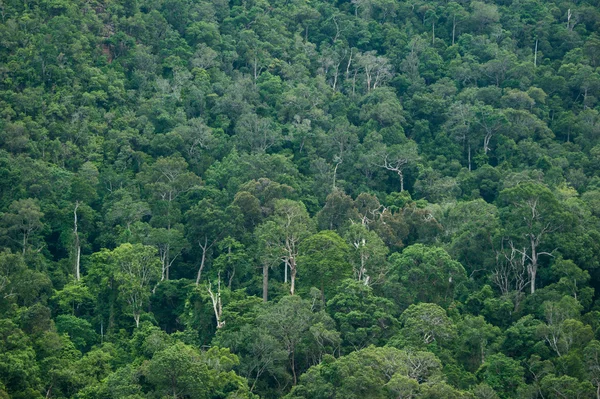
[{"x": 299, "y": 199}]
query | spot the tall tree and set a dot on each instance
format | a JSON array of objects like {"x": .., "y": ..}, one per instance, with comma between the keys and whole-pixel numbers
[
  {"x": 137, "y": 268},
  {"x": 22, "y": 221},
  {"x": 290, "y": 226},
  {"x": 397, "y": 158},
  {"x": 531, "y": 213}
]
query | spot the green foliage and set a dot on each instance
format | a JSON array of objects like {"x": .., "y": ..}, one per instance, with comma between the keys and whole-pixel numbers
[
  {"x": 424, "y": 274},
  {"x": 426, "y": 323},
  {"x": 503, "y": 374},
  {"x": 79, "y": 331},
  {"x": 324, "y": 258},
  {"x": 182, "y": 371},
  {"x": 288, "y": 148},
  {"x": 374, "y": 372},
  {"x": 362, "y": 318}
]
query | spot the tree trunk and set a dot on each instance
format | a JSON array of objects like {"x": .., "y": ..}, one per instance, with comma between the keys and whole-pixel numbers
[
  {"x": 265, "y": 281},
  {"x": 77, "y": 263},
  {"x": 77, "y": 244},
  {"x": 216, "y": 301},
  {"x": 453, "y": 28},
  {"x": 167, "y": 263},
  {"x": 348, "y": 65},
  {"x": 292, "y": 279},
  {"x": 469, "y": 155},
  {"x": 255, "y": 70},
  {"x": 204, "y": 249},
  {"x": 401, "y": 180},
  {"x": 335, "y": 172},
  {"x": 335, "y": 76},
  {"x": 532, "y": 268},
  {"x": 486, "y": 142},
  {"x": 293, "y": 365}
]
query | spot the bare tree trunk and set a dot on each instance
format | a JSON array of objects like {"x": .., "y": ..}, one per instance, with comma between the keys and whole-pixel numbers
[
  {"x": 486, "y": 142},
  {"x": 255, "y": 70},
  {"x": 349, "y": 64},
  {"x": 532, "y": 268},
  {"x": 292, "y": 277},
  {"x": 401, "y": 175},
  {"x": 335, "y": 171},
  {"x": 535, "y": 53},
  {"x": 335, "y": 76},
  {"x": 77, "y": 243},
  {"x": 204, "y": 248},
  {"x": 216, "y": 301},
  {"x": 453, "y": 29}
]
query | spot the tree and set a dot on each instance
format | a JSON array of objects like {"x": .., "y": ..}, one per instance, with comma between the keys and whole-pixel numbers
[
  {"x": 562, "y": 331},
  {"x": 591, "y": 355},
  {"x": 18, "y": 368},
  {"x": 262, "y": 356},
  {"x": 531, "y": 213},
  {"x": 362, "y": 318},
  {"x": 170, "y": 244},
  {"x": 566, "y": 387},
  {"x": 426, "y": 323},
  {"x": 397, "y": 158},
  {"x": 370, "y": 372},
  {"x": 168, "y": 178},
  {"x": 337, "y": 213},
  {"x": 125, "y": 210},
  {"x": 257, "y": 134},
  {"x": 324, "y": 258},
  {"x": 290, "y": 321},
  {"x": 181, "y": 371},
  {"x": 490, "y": 121},
  {"x": 476, "y": 338},
  {"x": 504, "y": 374},
  {"x": 460, "y": 121},
  {"x": 484, "y": 16},
  {"x": 137, "y": 267},
  {"x": 12, "y": 268},
  {"x": 23, "y": 220},
  {"x": 207, "y": 224},
  {"x": 270, "y": 252},
  {"x": 424, "y": 274},
  {"x": 473, "y": 227},
  {"x": 368, "y": 254},
  {"x": 376, "y": 68},
  {"x": 458, "y": 14},
  {"x": 290, "y": 225}
]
